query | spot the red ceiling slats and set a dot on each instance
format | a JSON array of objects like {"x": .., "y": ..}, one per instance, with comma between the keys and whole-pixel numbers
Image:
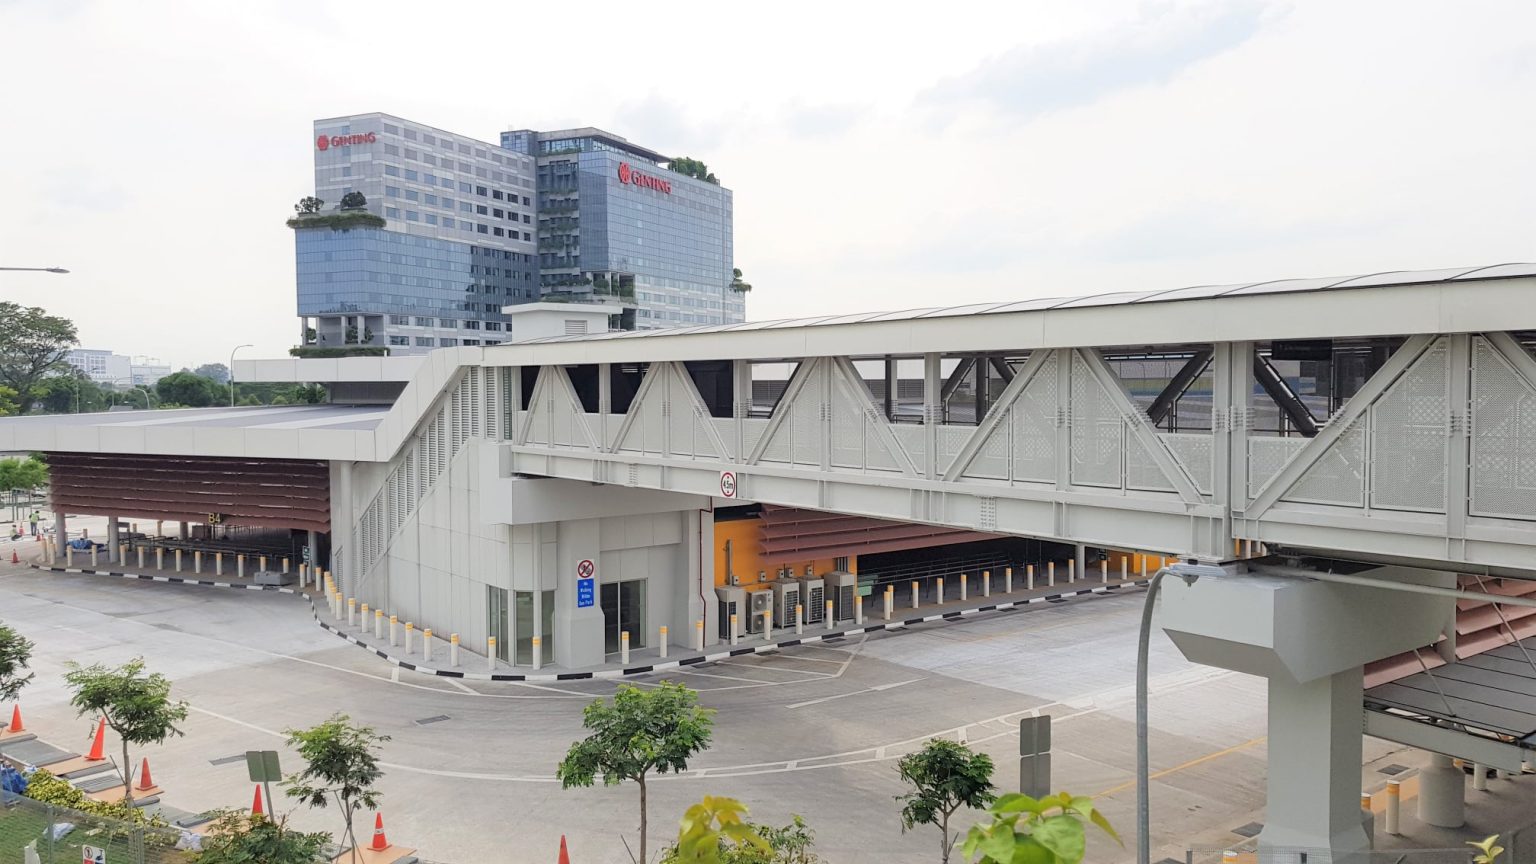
[
  {"x": 796, "y": 534},
  {"x": 278, "y": 493}
]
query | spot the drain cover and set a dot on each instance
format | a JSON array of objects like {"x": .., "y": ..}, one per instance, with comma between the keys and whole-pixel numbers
[
  {"x": 1392, "y": 770},
  {"x": 1252, "y": 829},
  {"x": 438, "y": 719}
]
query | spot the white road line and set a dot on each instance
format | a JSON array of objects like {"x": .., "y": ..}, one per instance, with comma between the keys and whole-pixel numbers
[
  {"x": 768, "y": 668},
  {"x": 462, "y": 686},
  {"x": 875, "y": 689}
]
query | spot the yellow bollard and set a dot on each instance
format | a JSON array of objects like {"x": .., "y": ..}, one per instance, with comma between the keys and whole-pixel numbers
[
  {"x": 362, "y": 619},
  {"x": 392, "y": 623},
  {"x": 490, "y": 653},
  {"x": 698, "y": 635},
  {"x": 538, "y": 653},
  {"x": 426, "y": 644},
  {"x": 663, "y": 641},
  {"x": 986, "y": 583},
  {"x": 964, "y": 586},
  {"x": 914, "y": 594},
  {"x": 799, "y": 619},
  {"x": 735, "y": 629},
  {"x": 890, "y": 601},
  {"x": 453, "y": 650},
  {"x": 940, "y": 598},
  {"x": 409, "y": 629}
]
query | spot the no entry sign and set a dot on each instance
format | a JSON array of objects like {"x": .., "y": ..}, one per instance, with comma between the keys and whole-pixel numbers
[{"x": 585, "y": 569}]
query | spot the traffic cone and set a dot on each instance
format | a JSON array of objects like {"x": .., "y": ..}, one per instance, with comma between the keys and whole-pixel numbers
[
  {"x": 380, "y": 843},
  {"x": 256, "y": 803},
  {"x": 565, "y": 857},
  {"x": 16, "y": 720},
  {"x": 99, "y": 746},
  {"x": 144, "y": 783},
  {"x": 15, "y": 559}
]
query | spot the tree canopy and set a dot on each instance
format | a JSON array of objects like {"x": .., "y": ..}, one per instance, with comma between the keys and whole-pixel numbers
[
  {"x": 737, "y": 284},
  {"x": 193, "y": 391},
  {"x": 353, "y": 201},
  {"x": 32, "y": 346},
  {"x": 26, "y": 474},
  {"x": 341, "y": 765},
  {"x": 944, "y": 776},
  {"x": 136, "y": 705},
  {"x": 308, "y": 204},
  {"x": 217, "y": 371},
  {"x": 15, "y": 654},
  {"x": 692, "y": 168}
]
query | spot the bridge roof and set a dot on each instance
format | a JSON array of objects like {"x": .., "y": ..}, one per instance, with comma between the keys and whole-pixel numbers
[{"x": 1330, "y": 307}]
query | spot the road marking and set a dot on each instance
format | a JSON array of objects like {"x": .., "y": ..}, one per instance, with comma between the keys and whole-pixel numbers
[
  {"x": 875, "y": 689},
  {"x": 1190, "y": 764},
  {"x": 772, "y": 668},
  {"x": 462, "y": 686},
  {"x": 394, "y": 674}
]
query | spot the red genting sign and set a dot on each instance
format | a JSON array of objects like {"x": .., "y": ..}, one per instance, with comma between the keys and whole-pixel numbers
[
  {"x": 644, "y": 181},
  {"x": 326, "y": 142}
]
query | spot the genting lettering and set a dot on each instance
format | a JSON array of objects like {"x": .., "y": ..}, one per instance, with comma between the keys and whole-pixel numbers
[
  {"x": 645, "y": 181},
  {"x": 326, "y": 143}
]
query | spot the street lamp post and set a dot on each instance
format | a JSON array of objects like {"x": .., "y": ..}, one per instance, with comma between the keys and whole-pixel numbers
[
  {"x": 38, "y": 269},
  {"x": 232, "y": 372}
]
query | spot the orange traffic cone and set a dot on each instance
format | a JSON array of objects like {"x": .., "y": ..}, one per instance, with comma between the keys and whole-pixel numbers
[
  {"x": 565, "y": 857},
  {"x": 256, "y": 803},
  {"x": 16, "y": 720},
  {"x": 99, "y": 746},
  {"x": 15, "y": 559},
  {"x": 144, "y": 782},
  {"x": 380, "y": 843}
]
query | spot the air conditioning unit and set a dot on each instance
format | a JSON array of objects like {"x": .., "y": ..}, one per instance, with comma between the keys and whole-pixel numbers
[
  {"x": 733, "y": 601},
  {"x": 761, "y": 603},
  {"x": 813, "y": 593},
  {"x": 842, "y": 587},
  {"x": 786, "y": 595}
]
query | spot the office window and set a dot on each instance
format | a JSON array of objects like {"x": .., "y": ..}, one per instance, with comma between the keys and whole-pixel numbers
[
  {"x": 525, "y": 219},
  {"x": 471, "y": 342},
  {"x": 464, "y": 167},
  {"x": 493, "y": 325},
  {"x": 431, "y": 200},
  {"x": 479, "y": 153},
  {"x": 410, "y": 174},
  {"x": 404, "y": 320},
  {"x": 464, "y": 148},
  {"x": 392, "y": 212},
  {"x": 447, "y": 183},
  {"x": 465, "y": 187},
  {"x": 498, "y": 232},
  {"x": 448, "y": 203},
  {"x": 527, "y": 236},
  {"x": 412, "y": 216},
  {"x": 425, "y": 341},
  {"x": 496, "y": 193},
  {"x": 392, "y": 191},
  {"x": 399, "y": 340},
  {"x": 480, "y": 190},
  {"x": 471, "y": 325},
  {"x": 391, "y": 150},
  {"x": 412, "y": 155},
  {"x": 391, "y": 171},
  {"x": 447, "y": 342},
  {"x": 483, "y": 229},
  {"x": 429, "y": 158},
  {"x": 431, "y": 219},
  {"x": 410, "y": 134},
  {"x": 467, "y": 226},
  {"x": 498, "y": 212},
  {"x": 426, "y": 322},
  {"x": 412, "y": 195},
  {"x": 480, "y": 209},
  {"x": 525, "y": 200},
  {"x": 392, "y": 130},
  {"x": 428, "y": 139}
]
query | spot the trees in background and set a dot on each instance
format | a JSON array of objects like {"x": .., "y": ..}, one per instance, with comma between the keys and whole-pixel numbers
[
  {"x": 737, "y": 285},
  {"x": 190, "y": 390},
  {"x": 217, "y": 371},
  {"x": 692, "y": 168},
  {"x": 15, "y": 654},
  {"x": 23, "y": 474},
  {"x": 32, "y": 347}
]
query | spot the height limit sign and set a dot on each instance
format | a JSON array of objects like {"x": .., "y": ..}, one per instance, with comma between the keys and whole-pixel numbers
[{"x": 727, "y": 484}]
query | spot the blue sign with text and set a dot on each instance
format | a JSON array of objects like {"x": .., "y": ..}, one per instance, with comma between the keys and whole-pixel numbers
[{"x": 585, "y": 593}]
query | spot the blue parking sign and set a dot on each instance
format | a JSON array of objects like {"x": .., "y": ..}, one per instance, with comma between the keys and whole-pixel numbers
[{"x": 585, "y": 593}]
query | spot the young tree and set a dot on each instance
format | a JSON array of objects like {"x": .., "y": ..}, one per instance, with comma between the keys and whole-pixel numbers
[
  {"x": 944, "y": 776},
  {"x": 341, "y": 764},
  {"x": 640, "y": 732},
  {"x": 308, "y": 204},
  {"x": 15, "y": 654},
  {"x": 240, "y": 838},
  {"x": 32, "y": 346},
  {"x": 137, "y": 706},
  {"x": 1047, "y": 831}
]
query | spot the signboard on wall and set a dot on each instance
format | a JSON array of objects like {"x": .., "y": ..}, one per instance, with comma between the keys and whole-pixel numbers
[
  {"x": 586, "y": 583},
  {"x": 727, "y": 484}
]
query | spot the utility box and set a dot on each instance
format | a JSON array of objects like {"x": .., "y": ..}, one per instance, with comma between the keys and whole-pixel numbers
[
  {"x": 786, "y": 596},
  {"x": 274, "y": 577},
  {"x": 813, "y": 594},
  {"x": 843, "y": 587},
  {"x": 761, "y": 603},
  {"x": 733, "y": 601}
]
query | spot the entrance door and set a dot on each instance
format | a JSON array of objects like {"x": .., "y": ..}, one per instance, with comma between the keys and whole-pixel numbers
[
  {"x": 496, "y": 619},
  {"x": 623, "y": 605}
]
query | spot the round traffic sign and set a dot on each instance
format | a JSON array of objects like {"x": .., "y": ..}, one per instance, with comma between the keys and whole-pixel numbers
[
  {"x": 727, "y": 484},
  {"x": 585, "y": 569}
]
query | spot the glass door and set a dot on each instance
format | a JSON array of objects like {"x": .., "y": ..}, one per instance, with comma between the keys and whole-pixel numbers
[
  {"x": 523, "y": 627},
  {"x": 496, "y": 619},
  {"x": 623, "y": 605}
]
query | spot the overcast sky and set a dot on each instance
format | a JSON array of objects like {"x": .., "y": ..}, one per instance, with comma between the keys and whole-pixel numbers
[{"x": 883, "y": 156}]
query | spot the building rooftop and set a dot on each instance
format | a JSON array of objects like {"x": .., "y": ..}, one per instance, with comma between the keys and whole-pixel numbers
[{"x": 330, "y": 431}]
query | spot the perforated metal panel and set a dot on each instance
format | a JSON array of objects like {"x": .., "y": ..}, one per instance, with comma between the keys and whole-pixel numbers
[
  {"x": 751, "y": 429},
  {"x": 1409, "y": 434},
  {"x": 991, "y": 461},
  {"x": 1098, "y": 430},
  {"x": 1141, "y": 472},
  {"x": 911, "y": 438},
  {"x": 805, "y": 419},
  {"x": 1195, "y": 452},
  {"x": 1266, "y": 456},
  {"x": 1034, "y": 426},
  {"x": 1503, "y": 437},
  {"x": 1338, "y": 476},
  {"x": 847, "y": 434},
  {"x": 951, "y": 441}
]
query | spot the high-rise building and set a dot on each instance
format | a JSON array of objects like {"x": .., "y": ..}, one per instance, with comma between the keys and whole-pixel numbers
[
  {"x": 469, "y": 227},
  {"x": 615, "y": 221},
  {"x": 117, "y": 370},
  {"x": 457, "y": 243}
]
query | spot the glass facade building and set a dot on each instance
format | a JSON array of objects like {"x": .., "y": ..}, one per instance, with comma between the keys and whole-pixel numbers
[
  {"x": 457, "y": 246},
  {"x": 471, "y": 227}
]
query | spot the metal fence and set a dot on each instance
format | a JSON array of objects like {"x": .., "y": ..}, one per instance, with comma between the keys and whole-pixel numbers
[
  {"x": 61, "y": 833},
  {"x": 1304, "y": 855}
]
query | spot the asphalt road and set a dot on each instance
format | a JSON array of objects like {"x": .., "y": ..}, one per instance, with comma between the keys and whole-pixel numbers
[{"x": 814, "y": 730}]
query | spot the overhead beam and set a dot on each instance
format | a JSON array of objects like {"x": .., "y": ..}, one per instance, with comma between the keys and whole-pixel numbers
[
  {"x": 1163, "y": 404},
  {"x": 1290, "y": 404}
]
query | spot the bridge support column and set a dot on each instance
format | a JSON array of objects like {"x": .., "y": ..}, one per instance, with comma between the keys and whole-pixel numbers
[
  {"x": 1080, "y": 556},
  {"x": 1314, "y": 757},
  {"x": 112, "y": 541}
]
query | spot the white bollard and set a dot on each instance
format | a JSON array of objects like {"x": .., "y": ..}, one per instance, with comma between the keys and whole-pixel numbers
[
  {"x": 93, "y": 555},
  {"x": 1104, "y": 572},
  {"x": 352, "y": 611},
  {"x": 426, "y": 644},
  {"x": 490, "y": 653},
  {"x": 1007, "y": 580},
  {"x": 986, "y": 583},
  {"x": 362, "y": 617},
  {"x": 140, "y": 552},
  {"x": 159, "y": 558},
  {"x": 828, "y": 616},
  {"x": 453, "y": 650},
  {"x": 1124, "y": 564},
  {"x": 1071, "y": 571},
  {"x": 392, "y": 636},
  {"x": 1029, "y": 578},
  {"x": 69, "y": 556},
  {"x": 964, "y": 581},
  {"x": 262, "y": 562},
  {"x": 409, "y": 629},
  {"x": 768, "y": 625},
  {"x": 698, "y": 635},
  {"x": 858, "y": 610},
  {"x": 624, "y": 647},
  {"x": 538, "y": 653},
  {"x": 378, "y": 623},
  {"x": 939, "y": 594},
  {"x": 799, "y": 619},
  {"x": 240, "y": 565},
  {"x": 1394, "y": 806},
  {"x": 735, "y": 629},
  {"x": 1479, "y": 777},
  {"x": 197, "y": 561},
  {"x": 914, "y": 595},
  {"x": 663, "y": 641},
  {"x": 285, "y": 565},
  {"x": 122, "y": 554},
  {"x": 1050, "y": 574},
  {"x": 890, "y": 600},
  {"x": 1143, "y": 567}
]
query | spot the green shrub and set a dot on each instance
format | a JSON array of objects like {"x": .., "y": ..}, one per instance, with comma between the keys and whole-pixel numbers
[{"x": 347, "y": 351}]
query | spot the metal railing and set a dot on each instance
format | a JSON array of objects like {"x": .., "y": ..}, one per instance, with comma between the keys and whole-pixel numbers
[
  {"x": 24, "y": 821},
  {"x": 1310, "y": 855}
]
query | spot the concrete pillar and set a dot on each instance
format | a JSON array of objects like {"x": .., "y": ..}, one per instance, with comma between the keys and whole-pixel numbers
[
  {"x": 1442, "y": 794},
  {"x": 1314, "y": 732},
  {"x": 312, "y": 543},
  {"x": 60, "y": 534},
  {"x": 113, "y": 553},
  {"x": 184, "y": 531},
  {"x": 1080, "y": 553}
]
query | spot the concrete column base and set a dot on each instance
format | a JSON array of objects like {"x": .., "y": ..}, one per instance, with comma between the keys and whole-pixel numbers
[{"x": 1442, "y": 794}]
